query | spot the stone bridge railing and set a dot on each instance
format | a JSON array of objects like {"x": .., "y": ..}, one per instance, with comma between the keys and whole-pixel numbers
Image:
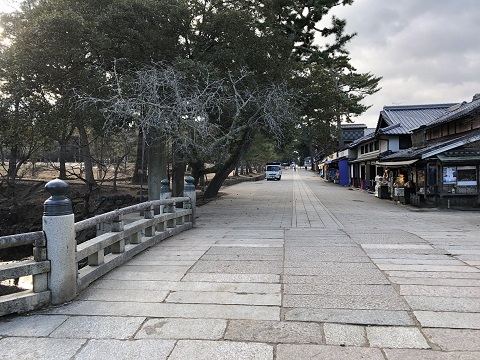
[{"x": 60, "y": 268}]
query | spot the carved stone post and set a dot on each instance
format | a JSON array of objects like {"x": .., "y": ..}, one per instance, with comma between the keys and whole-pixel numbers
[
  {"x": 190, "y": 192},
  {"x": 58, "y": 225}
]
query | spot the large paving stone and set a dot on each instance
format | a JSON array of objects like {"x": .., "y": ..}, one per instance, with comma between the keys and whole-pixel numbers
[
  {"x": 396, "y": 337},
  {"x": 344, "y": 334},
  {"x": 367, "y": 302},
  {"x": 237, "y": 267},
  {"x": 348, "y": 316},
  {"x": 34, "y": 325},
  {"x": 123, "y": 295},
  {"x": 455, "y": 320},
  {"x": 238, "y": 287},
  {"x": 274, "y": 332},
  {"x": 340, "y": 289},
  {"x": 31, "y": 348},
  {"x": 429, "y": 268},
  {"x": 435, "y": 303},
  {"x": 98, "y": 327},
  {"x": 220, "y": 350},
  {"x": 433, "y": 274},
  {"x": 308, "y": 352},
  {"x": 435, "y": 281},
  {"x": 454, "y": 339},
  {"x": 145, "y": 349},
  {"x": 372, "y": 278},
  {"x": 169, "y": 310},
  {"x": 444, "y": 291},
  {"x": 165, "y": 328},
  {"x": 204, "y": 297},
  {"x": 233, "y": 278},
  {"x": 412, "y": 354}
]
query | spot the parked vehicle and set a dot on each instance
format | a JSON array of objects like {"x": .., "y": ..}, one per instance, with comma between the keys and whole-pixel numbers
[{"x": 273, "y": 171}]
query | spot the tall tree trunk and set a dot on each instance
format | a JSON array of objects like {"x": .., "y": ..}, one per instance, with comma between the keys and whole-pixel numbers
[
  {"x": 140, "y": 168},
  {"x": 62, "y": 161},
  {"x": 178, "y": 176},
  {"x": 87, "y": 157},
  {"x": 237, "y": 152},
  {"x": 157, "y": 167},
  {"x": 12, "y": 164}
]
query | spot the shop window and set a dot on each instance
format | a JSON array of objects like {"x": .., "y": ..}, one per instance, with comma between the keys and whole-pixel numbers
[
  {"x": 432, "y": 179},
  {"x": 459, "y": 179}
]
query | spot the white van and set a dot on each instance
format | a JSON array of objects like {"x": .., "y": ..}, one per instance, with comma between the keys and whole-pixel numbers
[{"x": 273, "y": 171}]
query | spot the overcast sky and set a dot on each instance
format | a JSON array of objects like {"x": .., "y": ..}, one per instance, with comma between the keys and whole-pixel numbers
[{"x": 427, "y": 51}]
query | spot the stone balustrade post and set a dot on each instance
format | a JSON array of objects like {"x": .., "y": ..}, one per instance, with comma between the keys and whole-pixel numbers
[
  {"x": 189, "y": 191},
  {"x": 58, "y": 225}
]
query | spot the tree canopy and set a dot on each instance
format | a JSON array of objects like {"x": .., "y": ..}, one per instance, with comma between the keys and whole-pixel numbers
[{"x": 203, "y": 78}]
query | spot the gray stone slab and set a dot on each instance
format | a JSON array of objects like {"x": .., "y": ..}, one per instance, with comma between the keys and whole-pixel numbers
[
  {"x": 31, "y": 348},
  {"x": 234, "y": 278},
  {"x": 199, "y": 329},
  {"x": 238, "y": 287},
  {"x": 169, "y": 310},
  {"x": 220, "y": 350},
  {"x": 435, "y": 303},
  {"x": 367, "y": 302},
  {"x": 347, "y": 316},
  {"x": 412, "y": 354},
  {"x": 445, "y": 262},
  {"x": 242, "y": 257},
  {"x": 274, "y": 332},
  {"x": 98, "y": 327},
  {"x": 169, "y": 263},
  {"x": 123, "y": 295},
  {"x": 145, "y": 349},
  {"x": 407, "y": 256},
  {"x": 396, "y": 337},
  {"x": 225, "y": 250},
  {"x": 344, "y": 334},
  {"x": 454, "y": 339},
  {"x": 376, "y": 252},
  {"x": 341, "y": 289},
  {"x": 443, "y": 291},
  {"x": 141, "y": 276},
  {"x": 395, "y": 246},
  {"x": 158, "y": 268},
  {"x": 435, "y": 281},
  {"x": 205, "y": 297},
  {"x": 338, "y": 270},
  {"x": 34, "y": 325},
  {"x": 430, "y": 268},
  {"x": 434, "y": 274},
  {"x": 371, "y": 278},
  {"x": 455, "y": 320},
  {"x": 238, "y": 267},
  {"x": 307, "y": 352}
]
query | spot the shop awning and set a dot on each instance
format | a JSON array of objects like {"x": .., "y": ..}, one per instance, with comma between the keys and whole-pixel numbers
[{"x": 396, "y": 163}]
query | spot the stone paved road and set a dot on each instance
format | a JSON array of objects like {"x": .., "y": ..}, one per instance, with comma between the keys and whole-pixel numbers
[{"x": 294, "y": 269}]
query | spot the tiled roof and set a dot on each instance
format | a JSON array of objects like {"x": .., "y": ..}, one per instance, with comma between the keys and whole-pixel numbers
[
  {"x": 353, "y": 126},
  {"x": 361, "y": 140},
  {"x": 435, "y": 147},
  {"x": 457, "y": 111},
  {"x": 409, "y": 117}
]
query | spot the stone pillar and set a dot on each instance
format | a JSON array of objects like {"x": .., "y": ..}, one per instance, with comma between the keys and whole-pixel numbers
[
  {"x": 58, "y": 225},
  {"x": 190, "y": 192}
]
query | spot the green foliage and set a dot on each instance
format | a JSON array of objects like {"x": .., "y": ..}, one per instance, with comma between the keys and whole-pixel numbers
[{"x": 265, "y": 52}]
